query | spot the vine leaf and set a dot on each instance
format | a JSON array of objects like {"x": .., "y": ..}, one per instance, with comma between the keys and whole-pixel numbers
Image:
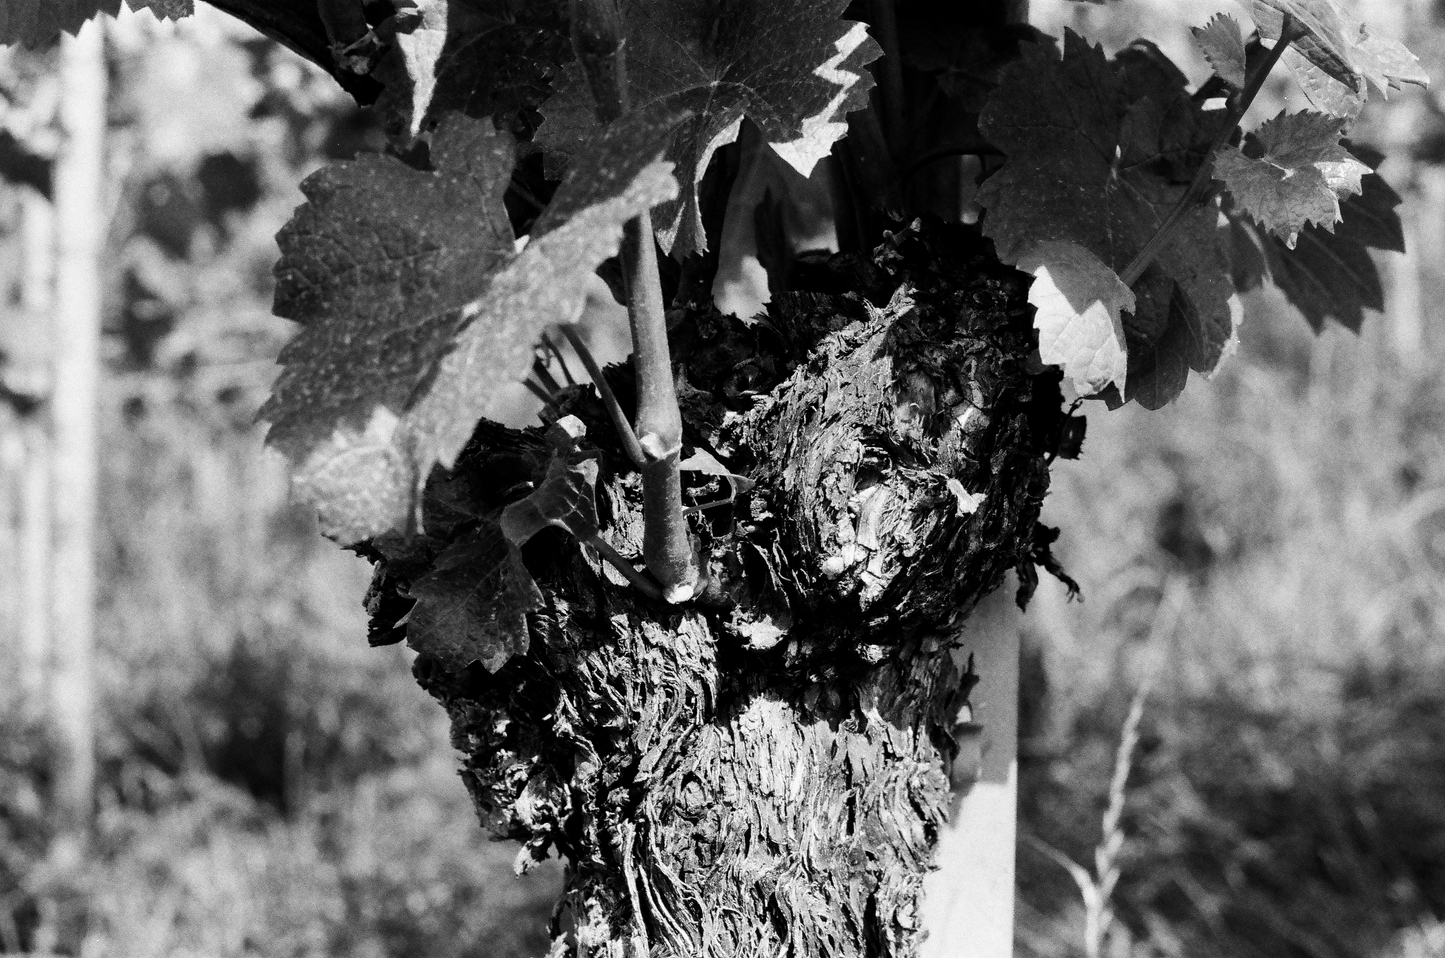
[
  {"x": 418, "y": 305},
  {"x": 1097, "y": 158},
  {"x": 1325, "y": 42},
  {"x": 1323, "y": 91},
  {"x": 484, "y": 58},
  {"x": 1337, "y": 56},
  {"x": 1328, "y": 275},
  {"x": 1078, "y": 303},
  {"x": 962, "y": 55},
  {"x": 34, "y": 22},
  {"x": 794, "y": 68},
  {"x": 567, "y": 498},
  {"x": 1386, "y": 64},
  {"x": 473, "y": 605},
  {"x": 1222, "y": 43},
  {"x": 1292, "y": 172},
  {"x": 377, "y": 265},
  {"x": 1170, "y": 336}
]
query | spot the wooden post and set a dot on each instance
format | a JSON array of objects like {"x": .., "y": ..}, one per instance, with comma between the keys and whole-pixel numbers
[{"x": 80, "y": 235}]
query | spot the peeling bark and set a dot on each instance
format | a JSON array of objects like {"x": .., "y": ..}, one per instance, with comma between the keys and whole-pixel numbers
[{"x": 764, "y": 771}]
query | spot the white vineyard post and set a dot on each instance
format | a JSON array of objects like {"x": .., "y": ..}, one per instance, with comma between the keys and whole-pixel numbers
[
  {"x": 968, "y": 903},
  {"x": 80, "y": 231},
  {"x": 33, "y": 486}
]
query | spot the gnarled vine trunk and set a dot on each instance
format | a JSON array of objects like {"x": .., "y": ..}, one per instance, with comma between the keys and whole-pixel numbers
[{"x": 764, "y": 771}]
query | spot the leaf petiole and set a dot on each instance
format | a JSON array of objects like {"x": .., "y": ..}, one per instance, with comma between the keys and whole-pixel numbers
[
  {"x": 536, "y": 389},
  {"x": 630, "y": 444},
  {"x": 561, "y": 360},
  {"x": 1199, "y": 189},
  {"x": 642, "y": 582},
  {"x": 544, "y": 376}
]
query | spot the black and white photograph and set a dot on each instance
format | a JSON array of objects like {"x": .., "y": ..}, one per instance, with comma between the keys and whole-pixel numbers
[{"x": 722, "y": 479}]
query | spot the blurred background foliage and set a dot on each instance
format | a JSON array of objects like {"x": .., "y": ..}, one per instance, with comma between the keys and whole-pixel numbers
[{"x": 1266, "y": 555}]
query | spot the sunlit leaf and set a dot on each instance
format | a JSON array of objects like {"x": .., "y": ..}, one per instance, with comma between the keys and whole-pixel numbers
[
  {"x": 1292, "y": 172},
  {"x": 1078, "y": 302}
]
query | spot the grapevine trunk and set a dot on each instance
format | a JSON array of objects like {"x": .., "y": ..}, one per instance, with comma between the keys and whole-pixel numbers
[{"x": 764, "y": 770}]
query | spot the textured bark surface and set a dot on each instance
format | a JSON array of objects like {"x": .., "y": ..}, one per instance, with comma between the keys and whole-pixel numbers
[{"x": 763, "y": 771}]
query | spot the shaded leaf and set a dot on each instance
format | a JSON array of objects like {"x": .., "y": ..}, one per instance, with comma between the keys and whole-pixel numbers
[
  {"x": 1294, "y": 174},
  {"x": 1371, "y": 217},
  {"x": 484, "y": 58},
  {"x": 1327, "y": 275},
  {"x": 33, "y": 22},
  {"x": 1101, "y": 162},
  {"x": 963, "y": 55},
  {"x": 1078, "y": 303},
  {"x": 1325, "y": 278},
  {"x": 793, "y": 68},
  {"x": 416, "y": 300},
  {"x": 1181, "y": 339},
  {"x": 567, "y": 498},
  {"x": 1222, "y": 43},
  {"x": 1247, "y": 267},
  {"x": 166, "y": 9},
  {"x": 377, "y": 265},
  {"x": 473, "y": 605},
  {"x": 1332, "y": 275},
  {"x": 1144, "y": 70}
]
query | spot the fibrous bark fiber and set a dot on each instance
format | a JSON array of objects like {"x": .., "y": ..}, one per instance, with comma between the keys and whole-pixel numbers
[{"x": 764, "y": 771}]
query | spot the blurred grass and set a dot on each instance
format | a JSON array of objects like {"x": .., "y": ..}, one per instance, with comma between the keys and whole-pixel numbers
[
  {"x": 1270, "y": 549},
  {"x": 270, "y": 785}
]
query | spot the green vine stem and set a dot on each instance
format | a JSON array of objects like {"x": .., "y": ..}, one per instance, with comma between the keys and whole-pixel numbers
[
  {"x": 614, "y": 558},
  {"x": 630, "y": 445},
  {"x": 597, "y": 39},
  {"x": 1239, "y": 104},
  {"x": 666, "y": 546},
  {"x": 556, "y": 354}
]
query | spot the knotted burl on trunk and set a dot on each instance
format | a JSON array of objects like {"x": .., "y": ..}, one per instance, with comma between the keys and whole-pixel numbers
[{"x": 763, "y": 771}]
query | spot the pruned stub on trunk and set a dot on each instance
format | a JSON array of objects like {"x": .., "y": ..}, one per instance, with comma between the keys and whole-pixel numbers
[{"x": 763, "y": 771}]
